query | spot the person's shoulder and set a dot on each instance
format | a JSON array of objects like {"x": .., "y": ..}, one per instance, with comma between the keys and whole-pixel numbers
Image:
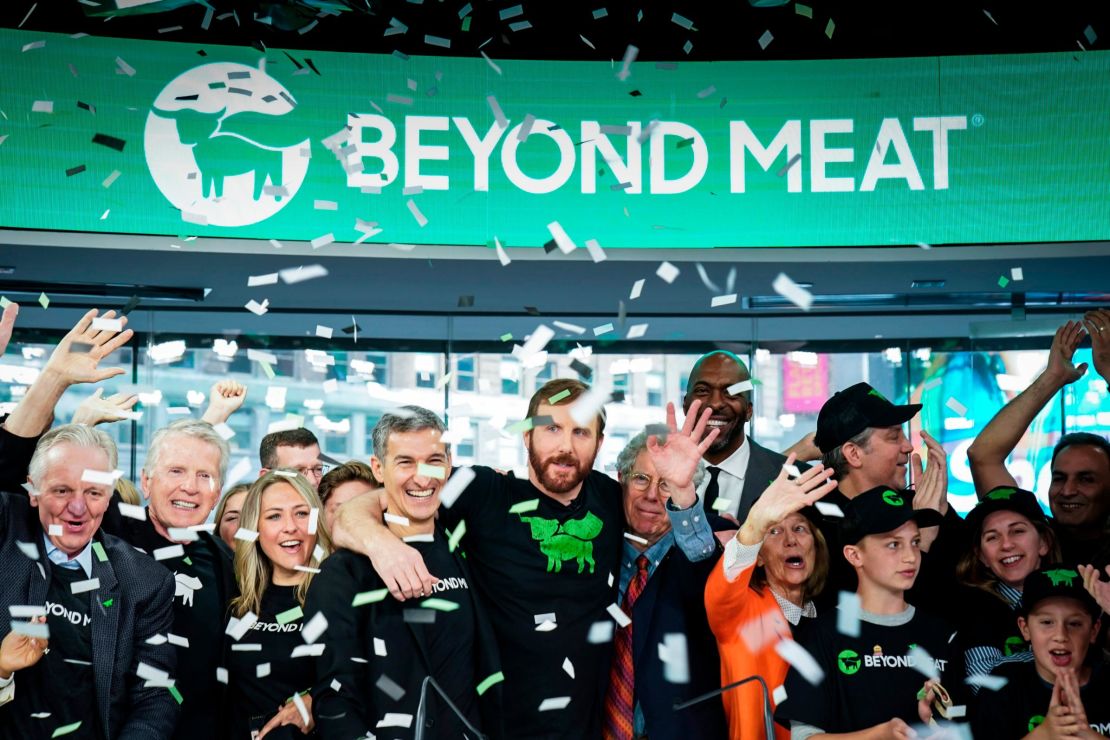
[
  {"x": 347, "y": 564},
  {"x": 604, "y": 482},
  {"x": 134, "y": 568}
]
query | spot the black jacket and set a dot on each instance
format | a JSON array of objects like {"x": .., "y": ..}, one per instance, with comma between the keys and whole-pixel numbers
[
  {"x": 139, "y": 594},
  {"x": 764, "y": 466},
  {"x": 673, "y": 601},
  {"x": 358, "y": 704}
]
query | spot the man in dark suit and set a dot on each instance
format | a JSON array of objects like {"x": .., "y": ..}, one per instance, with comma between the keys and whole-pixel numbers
[
  {"x": 739, "y": 469},
  {"x": 94, "y": 654},
  {"x": 667, "y": 653},
  {"x": 378, "y": 651}
]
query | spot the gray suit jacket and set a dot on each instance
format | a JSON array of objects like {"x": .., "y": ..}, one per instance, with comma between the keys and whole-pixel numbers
[
  {"x": 763, "y": 467},
  {"x": 134, "y": 603}
]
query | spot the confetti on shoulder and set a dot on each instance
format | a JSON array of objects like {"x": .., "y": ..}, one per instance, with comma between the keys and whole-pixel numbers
[
  {"x": 370, "y": 597},
  {"x": 523, "y": 507}
]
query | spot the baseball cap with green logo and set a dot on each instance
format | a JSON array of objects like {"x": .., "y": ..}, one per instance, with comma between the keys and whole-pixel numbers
[
  {"x": 1004, "y": 498},
  {"x": 883, "y": 509},
  {"x": 854, "y": 409},
  {"x": 1056, "y": 581}
]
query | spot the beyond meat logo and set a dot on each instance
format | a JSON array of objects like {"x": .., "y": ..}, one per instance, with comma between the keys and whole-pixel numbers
[
  {"x": 223, "y": 144},
  {"x": 848, "y": 662},
  {"x": 569, "y": 540}
]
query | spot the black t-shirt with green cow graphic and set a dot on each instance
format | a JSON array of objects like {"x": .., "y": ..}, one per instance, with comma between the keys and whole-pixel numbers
[
  {"x": 869, "y": 679},
  {"x": 1021, "y": 705},
  {"x": 539, "y": 564}
]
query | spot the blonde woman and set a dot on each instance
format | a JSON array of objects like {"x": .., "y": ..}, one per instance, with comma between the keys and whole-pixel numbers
[
  {"x": 273, "y": 573},
  {"x": 227, "y": 513}
]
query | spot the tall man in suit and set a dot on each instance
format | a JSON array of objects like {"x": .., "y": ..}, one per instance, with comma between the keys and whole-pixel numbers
[
  {"x": 669, "y": 552},
  {"x": 739, "y": 469},
  {"x": 94, "y": 654}
]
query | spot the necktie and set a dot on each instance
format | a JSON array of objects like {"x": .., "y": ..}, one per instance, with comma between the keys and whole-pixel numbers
[
  {"x": 713, "y": 489},
  {"x": 619, "y": 698}
]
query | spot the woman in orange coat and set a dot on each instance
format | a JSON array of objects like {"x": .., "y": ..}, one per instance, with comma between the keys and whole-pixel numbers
[{"x": 770, "y": 571}]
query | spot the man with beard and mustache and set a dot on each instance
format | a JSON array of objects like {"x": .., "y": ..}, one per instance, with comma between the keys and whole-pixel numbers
[
  {"x": 545, "y": 556},
  {"x": 739, "y": 469}
]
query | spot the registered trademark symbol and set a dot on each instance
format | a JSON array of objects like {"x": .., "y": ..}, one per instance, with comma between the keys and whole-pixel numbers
[{"x": 977, "y": 120}]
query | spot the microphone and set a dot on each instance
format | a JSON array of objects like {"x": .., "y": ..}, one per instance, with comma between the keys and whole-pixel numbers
[
  {"x": 422, "y": 710},
  {"x": 768, "y": 716}
]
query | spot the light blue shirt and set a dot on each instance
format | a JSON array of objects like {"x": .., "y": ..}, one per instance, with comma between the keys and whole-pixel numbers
[
  {"x": 83, "y": 560},
  {"x": 690, "y": 530}
]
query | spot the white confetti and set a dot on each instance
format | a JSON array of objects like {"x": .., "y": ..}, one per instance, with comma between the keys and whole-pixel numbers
[
  {"x": 554, "y": 702},
  {"x": 742, "y": 387},
  {"x": 296, "y": 275},
  {"x": 956, "y": 407},
  {"x": 619, "y": 616},
  {"x": 395, "y": 719},
  {"x": 379, "y": 647},
  {"x": 171, "y": 551},
  {"x": 246, "y": 535},
  {"x": 667, "y": 272},
  {"x": 54, "y": 530},
  {"x": 323, "y": 240},
  {"x": 1017, "y": 273},
  {"x": 253, "y": 281},
  {"x": 315, "y": 627},
  {"x": 923, "y": 663},
  {"x": 793, "y": 292},
  {"x": 847, "y": 613},
  {"x": 635, "y": 538},
  {"x": 722, "y": 300},
  {"x": 39, "y": 630},
  {"x": 456, "y": 484},
  {"x": 636, "y": 331},
  {"x": 565, "y": 243},
  {"x": 600, "y": 632},
  {"x": 80, "y": 587},
  {"x": 828, "y": 509},
  {"x": 237, "y": 627},
  {"x": 800, "y": 660},
  {"x": 257, "y": 308},
  {"x": 597, "y": 254},
  {"x": 103, "y": 324},
  {"x": 637, "y": 289},
  {"x": 630, "y": 55},
  {"x": 131, "y": 511},
  {"x": 674, "y": 654},
  {"x": 396, "y": 519},
  {"x": 414, "y": 209},
  {"x": 986, "y": 681}
]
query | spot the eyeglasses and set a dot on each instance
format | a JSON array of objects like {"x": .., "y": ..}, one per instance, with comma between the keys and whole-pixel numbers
[
  {"x": 316, "y": 471},
  {"x": 642, "y": 482}
]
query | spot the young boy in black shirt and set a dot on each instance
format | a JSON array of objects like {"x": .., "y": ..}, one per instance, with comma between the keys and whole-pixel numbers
[
  {"x": 874, "y": 680},
  {"x": 1065, "y": 691}
]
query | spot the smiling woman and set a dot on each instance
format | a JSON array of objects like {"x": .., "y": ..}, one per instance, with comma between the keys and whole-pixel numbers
[{"x": 282, "y": 542}]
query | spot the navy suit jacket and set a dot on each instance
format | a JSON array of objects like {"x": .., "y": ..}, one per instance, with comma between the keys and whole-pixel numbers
[
  {"x": 673, "y": 601},
  {"x": 139, "y": 592}
]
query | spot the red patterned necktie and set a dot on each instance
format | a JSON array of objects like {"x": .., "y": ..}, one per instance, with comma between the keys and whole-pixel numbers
[{"x": 619, "y": 696}]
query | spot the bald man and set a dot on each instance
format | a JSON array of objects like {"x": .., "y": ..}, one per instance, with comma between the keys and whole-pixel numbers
[{"x": 739, "y": 469}]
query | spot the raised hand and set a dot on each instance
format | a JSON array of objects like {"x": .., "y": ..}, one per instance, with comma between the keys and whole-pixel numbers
[
  {"x": 931, "y": 482},
  {"x": 1060, "y": 365},
  {"x": 784, "y": 497},
  {"x": 77, "y": 357},
  {"x": 7, "y": 323},
  {"x": 677, "y": 460},
  {"x": 96, "y": 409},
  {"x": 1098, "y": 326},
  {"x": 20, "y": 651},
  {"x": 1095, "y": 586},
  {"x": 224, "y": 399}
]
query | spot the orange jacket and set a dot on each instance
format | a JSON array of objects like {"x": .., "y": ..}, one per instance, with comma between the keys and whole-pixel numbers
[{"x": 747, "y": 625}]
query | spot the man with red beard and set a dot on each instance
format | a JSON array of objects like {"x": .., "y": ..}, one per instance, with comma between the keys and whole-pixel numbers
[
  {"x": 739, "y": 469},
  {"x": 544, "y": 555}
]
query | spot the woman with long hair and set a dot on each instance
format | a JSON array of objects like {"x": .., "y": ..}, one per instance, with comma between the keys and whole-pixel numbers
[
  {"x": 282, "y": 540},
  {"x": 763, "y": 586},
  {"x": 1010, "y": 537},
  {"x": 228, "y": 511}
]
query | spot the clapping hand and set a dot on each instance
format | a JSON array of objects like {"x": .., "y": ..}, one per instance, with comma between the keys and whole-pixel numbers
[
  {"x": 1064, "y": 343},
  {"x": 96, "y": 409},
  {"x": 7, "y": 323},
  {"x": 931, "y": 482},
  {"x": 1098, "y": 326}
]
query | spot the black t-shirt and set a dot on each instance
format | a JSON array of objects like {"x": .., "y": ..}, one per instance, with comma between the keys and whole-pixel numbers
[
  {"x": 256, "y": 700},
  {"x": 555, "y": 559},
  {"x": 868, "y": 679},
  {"x": 450, "y": 641},
  {"x": 199, "y": 604},
  {"x": 985, "y": 620},
  {"x": 1094, "y": 552},
  {"x": 1021, "y": 705},
  {"x": 62, "y": 682}
]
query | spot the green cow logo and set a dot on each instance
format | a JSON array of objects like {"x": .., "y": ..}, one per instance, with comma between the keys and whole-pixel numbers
[
  {"x": 569, "y": 540},
  {"x": 226, "y": 144},
  {"x": 1062, "y": 577},
  {"x": 848, "y": 662},
  {"x": 1035, "y": 721},
  {"x": 1001, "y": 494},
  {"x": 876, "y": 394},
  {"x": 1013, "y": 645},
  {"x": 892, "y": 498}
]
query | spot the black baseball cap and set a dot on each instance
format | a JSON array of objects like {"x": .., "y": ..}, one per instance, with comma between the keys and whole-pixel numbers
[
  {"x": 1005, "y": 498},
  {"x": 854, "y": 409},
  {"x": 1062, "y": 581},
  {"x": 883, "y": 509}
]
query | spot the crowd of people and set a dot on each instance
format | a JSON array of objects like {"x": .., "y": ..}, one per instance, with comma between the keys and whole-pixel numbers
[{"x": 712, "y": 589}]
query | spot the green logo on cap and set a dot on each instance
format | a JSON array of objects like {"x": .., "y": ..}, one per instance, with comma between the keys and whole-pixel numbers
[
  {"x": 892, "y": 498},
  {"x": 876, "y": 394},
  {"x": 1035, "y": 721},
  {"x": 848, "y": 662},
  {"x": 1062, "y": 576},
  {"x": 1013, "y": 645},
  {"x": 1001, "y": 494}
]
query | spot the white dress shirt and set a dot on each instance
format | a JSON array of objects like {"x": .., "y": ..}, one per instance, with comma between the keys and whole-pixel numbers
[{"x": 730, "y": 481}]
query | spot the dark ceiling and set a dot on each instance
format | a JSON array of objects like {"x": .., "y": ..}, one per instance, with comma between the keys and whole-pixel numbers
[
  {"x": 729, "y": 29},
  {"x": 869, "y": 294}
]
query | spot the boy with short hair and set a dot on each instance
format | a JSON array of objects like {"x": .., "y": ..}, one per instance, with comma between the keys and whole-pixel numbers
[
  {"x": 1065, "y": 691},
  {"x": 874, "y": 686}
]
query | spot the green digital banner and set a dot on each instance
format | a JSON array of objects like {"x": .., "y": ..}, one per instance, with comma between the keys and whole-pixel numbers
[{"x": 153, "y": 137}]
